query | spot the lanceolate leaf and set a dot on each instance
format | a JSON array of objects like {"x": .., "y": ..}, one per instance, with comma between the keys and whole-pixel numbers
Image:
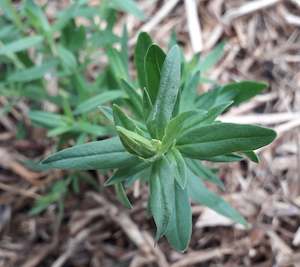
[
  {"x": 180, "y": 168},
  {"x": 205, "y": 173},
  {"x": 200, "y": 194},
  {"x": 251, "y": 155},
  {"x": 106, "y": 154},
  {"x": 154, "y": 60},
  {"x": 161, "y": 195},
  {"x": 95, "y": 101},
  {"x": 223, "y": 138},
  {"x": 180, "y": 226},
  {"x": 225, "y": 158},
  {"x": 166, "y": 99},
  {"x": 122, "y": 196},
  {"x": 125, "y": 173},
  {"x": 143, "y": 43}
]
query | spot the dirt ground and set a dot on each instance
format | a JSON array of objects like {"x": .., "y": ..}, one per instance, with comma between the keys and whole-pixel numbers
[{"x": 262, "y": 43}]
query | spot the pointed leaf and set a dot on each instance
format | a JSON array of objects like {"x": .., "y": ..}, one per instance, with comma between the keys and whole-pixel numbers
[
  {"x": 106, "y": 154},
  {"x": 166, "y": 99},
  {"x": 180, "y": 227},
  {"x": 143, "y": 43},
  {"x": 205, "y": 173},
  {"x": 122, "y": 196},
  {"x": 223, "y": 138},
  {"x": 161, "y": 195},
  {"x": 201, "y": 195},
  {"x": 154, "y": 60}
]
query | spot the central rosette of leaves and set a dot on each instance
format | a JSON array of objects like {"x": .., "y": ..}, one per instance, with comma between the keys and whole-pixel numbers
[{"x": 163, "y": 146}]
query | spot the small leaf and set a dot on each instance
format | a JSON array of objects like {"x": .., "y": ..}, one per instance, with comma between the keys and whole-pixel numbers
[
  {"x": 251, "y": 155},
  {"x": 161, "y": 195},
  {"x": 117, "y": 64},
  {"x": 143, "y": 43},
  {"x": 107, "y": 112},
  {"x": 21, "y": 44},
  {"x": 95, "y": 101},
  {"x": 189, "y": 93},
  {"x": 200, "y": 194},
  {"x": 121, "y": 119},
  {"x": 174, "y": 129},
  {"x": 153, "y": 61},
  {"x": 125, "y": 173},
  {"x": 223, "y": 138},
  {"x": 135, "y": 143},
  {"x": 205, "y": 173},
  {"x": 147, "y": 104},
  {"x": 32, "y": 73},
  {"x": 168, "y": 89},
  {"x": 134, "y": 98},
  {"x": 180, "y": 226},
  {"x": 106, "y": 154},
  {"x": 241, "y": 91},
  {"x": 180, "y": 168},
  {"x": 122, "y": 196},
  {"x": 212, "y": 58}
]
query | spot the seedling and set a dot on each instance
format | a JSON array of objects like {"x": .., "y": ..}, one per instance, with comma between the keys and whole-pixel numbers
[{"x": 166, "y": 145}]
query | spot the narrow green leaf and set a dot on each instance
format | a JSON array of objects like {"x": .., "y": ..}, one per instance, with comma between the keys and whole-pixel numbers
[
  {"x": 125, "y": 173},
  {"x": 47, "y": 119},
  {"x": 134, "y": 98},
  {"x": 201, "y": 195},
  {"x": 153, "y": 61},
  {"x": 117, "y": 64},
  {"x": 161, "y": 195},
  {"x": 241, "y": 91},
  {"x": 105, "y": 154},
  {"x": 95, "y": 101},
  {"x": 205, "y": 173},
  {"x": 251, "y": 155},
  {"x": 121, "y": 119},
  {"x": 107, "y": 112},
  {"x": 180, "y": 168},
  {"x": 21, "y": 44},
  {"x": 189, "y": 93},
  {"x": 212, "y": 58},
  {"x": 122, "y": 196},
  {"x": 143, "y": 43},
  {"x": 174, "y": 129},
  {"x": 166, "y": 99},
  {"x": 180, "y": 226},
  {"x": 33, "y": 73},
  {"x": 147, "y": 104},
  {"x": 222, "y": 138}
]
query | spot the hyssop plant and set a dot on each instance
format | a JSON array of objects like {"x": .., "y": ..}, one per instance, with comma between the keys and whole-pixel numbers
[{"x": 163, "y": 144}]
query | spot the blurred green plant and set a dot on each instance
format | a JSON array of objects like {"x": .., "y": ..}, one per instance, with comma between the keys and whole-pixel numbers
[{"x": 172, "y": 127}]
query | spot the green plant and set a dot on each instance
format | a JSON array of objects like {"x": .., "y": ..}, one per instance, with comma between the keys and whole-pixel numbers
[{"x": 164, "y": 143}]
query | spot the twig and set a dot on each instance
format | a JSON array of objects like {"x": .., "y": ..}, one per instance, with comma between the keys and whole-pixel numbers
[
  {"x": 156, "y": 19},
  {"x": 247, "y": 9},
  {"x": 194, "y": 25},
  {"x": 202, "y": 256},
  {"x": 19, "y": 191},
  {"x": 267, "y": 119}
]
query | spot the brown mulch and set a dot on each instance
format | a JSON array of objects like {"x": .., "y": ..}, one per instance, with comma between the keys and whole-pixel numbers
[{"x": 263, "y": 43}]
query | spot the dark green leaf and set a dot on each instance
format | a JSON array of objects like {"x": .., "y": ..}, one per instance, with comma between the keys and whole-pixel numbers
[
  {"x": 251, "y": 155},
  {"x": 205, "y": 173},
  {"x": 21, "y": 44},
  {"x": 122, "y": 196},
  {"x": 154, "y": 60},
  {"x": 95, "y": 101},
  {"x": 143, "y": 43},
  {"x": 223, "y": 138},
  {"x": 106, "y": 154},
  {"x": 168, "y": 90},
  {"x": 200, "y": 194},
  {"x": 161, "y": 195},
  {"x": 180, "y": 226}
]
